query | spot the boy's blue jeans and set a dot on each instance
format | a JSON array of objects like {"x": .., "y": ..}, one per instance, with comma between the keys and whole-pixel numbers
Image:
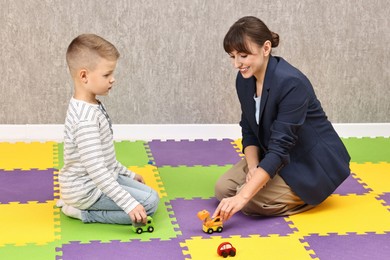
[{"x": 106, "y": 210}]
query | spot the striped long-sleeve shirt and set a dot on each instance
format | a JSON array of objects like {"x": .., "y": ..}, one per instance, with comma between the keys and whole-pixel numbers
[{"x": 90, "y": 165}]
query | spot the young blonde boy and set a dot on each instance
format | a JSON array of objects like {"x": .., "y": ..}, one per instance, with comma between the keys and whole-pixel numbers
[{"x": 95, "y": 187}]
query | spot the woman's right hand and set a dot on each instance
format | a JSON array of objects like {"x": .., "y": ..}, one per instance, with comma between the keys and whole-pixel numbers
[
  {"x": 229, "y": 206},
  {"x": 138, "y": 215}
]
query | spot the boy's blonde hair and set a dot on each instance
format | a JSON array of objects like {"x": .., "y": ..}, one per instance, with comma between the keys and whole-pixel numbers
[{"x": 85, "y": 49}]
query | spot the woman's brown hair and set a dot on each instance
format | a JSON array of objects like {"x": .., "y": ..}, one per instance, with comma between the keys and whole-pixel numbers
[{"x": 248, "y": 28}]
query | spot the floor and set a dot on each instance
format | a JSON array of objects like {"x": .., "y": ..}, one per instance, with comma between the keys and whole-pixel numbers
[{"x": 353, "y": 223}]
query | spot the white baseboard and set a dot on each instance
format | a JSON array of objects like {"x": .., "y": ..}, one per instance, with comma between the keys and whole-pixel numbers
[{"x": 147, "y": 132}]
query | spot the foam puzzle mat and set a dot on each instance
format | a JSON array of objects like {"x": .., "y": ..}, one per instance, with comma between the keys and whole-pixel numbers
[{"x": 353, "y": 223}]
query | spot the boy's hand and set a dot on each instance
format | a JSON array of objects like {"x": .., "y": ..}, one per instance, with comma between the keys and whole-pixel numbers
[
  {"x": 139, "y": 178},
  {"x": 138, "y": 215}
]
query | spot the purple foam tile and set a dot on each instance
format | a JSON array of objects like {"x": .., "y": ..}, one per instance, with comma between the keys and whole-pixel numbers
[
  {"x": 23, "y": 186},
  {"x": 351, "y": 186},
  {"x": 190, "y": 153},
  {"x": 185, "y": 212},
  {"x": 351, "y": 246},
  {"x": 116, "y": 250},
  {"x": 386, "y": 198}
]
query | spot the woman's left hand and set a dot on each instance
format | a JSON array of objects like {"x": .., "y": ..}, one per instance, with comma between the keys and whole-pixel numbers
[
  {"x": 251, "y": 172},
  {"x": 229, "y": 206}
]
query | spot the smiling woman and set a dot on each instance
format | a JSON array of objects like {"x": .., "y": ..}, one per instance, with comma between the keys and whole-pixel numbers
[
  {"x": 281, "y": 121},
  {"x": 249, "y": 42}
]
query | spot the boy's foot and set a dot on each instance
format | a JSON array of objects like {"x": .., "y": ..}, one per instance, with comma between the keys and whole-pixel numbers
[
  {"x": 71, "y": 211},
  {"x": 60, "y": 203}
]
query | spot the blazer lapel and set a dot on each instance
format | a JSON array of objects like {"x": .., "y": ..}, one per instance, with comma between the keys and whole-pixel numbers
[
  {"x": 250, "y": 92},
  {"x": 246, "y": 89},
  {"x": 268, "y": 81}
]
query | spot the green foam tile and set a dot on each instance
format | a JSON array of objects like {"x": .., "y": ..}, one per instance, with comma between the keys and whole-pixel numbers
[
  {"x": 75, "y": 230},
  {"x": 367, "y": 149},
  {"x": 191, "y": 182},
  {"x": 38, "y": 252},
  {"x": 131, "y": 153}
]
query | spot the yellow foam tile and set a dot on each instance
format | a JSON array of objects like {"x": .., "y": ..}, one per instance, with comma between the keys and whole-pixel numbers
[
  {"x": 343, "y": 214},
  {"x": 31, "y": 223},
  {"x": 375, "y": 176},
  {"x": 151, "y": 178},
  {"x": 254, "y": 247},
  {"x": 238, "y": 145},
  {"x": 26, "y": 156}
]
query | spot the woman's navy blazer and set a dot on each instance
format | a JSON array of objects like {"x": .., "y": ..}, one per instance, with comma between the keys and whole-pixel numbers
[{"x": 295, "y": 137}]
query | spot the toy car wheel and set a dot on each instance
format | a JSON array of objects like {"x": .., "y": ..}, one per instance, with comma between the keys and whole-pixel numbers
[
  {"x": 232, "y": 253},
  {"x": 210, "y": 231},
  {"x": 139, "y": 230},
  {"x": 150, "y": 229},
  {"x": 224, "y": 254},
  {"x": 219, "y": 229}
]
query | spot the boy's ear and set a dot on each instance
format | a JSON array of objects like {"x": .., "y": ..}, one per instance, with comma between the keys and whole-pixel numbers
[{"x": 83, "y": 73}]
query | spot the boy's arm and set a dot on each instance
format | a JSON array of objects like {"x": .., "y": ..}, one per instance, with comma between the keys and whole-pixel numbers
[
  {"x": 127, "y": 172},
  {"x": 87, "y": 139},
  {"x": 122, "y": 170}
]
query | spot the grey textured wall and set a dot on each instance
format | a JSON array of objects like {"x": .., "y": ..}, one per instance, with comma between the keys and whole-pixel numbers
[{"x": 173, "y": 68}]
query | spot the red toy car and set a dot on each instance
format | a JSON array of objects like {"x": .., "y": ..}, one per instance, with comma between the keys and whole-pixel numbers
[{"x": 226, "y": 249}]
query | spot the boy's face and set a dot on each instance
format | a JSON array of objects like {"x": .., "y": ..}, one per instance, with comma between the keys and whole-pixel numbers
[{"x": 101, "y": 79}]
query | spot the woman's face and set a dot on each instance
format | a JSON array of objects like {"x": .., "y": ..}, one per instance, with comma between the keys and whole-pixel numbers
[{"x": 254, "y": 63}]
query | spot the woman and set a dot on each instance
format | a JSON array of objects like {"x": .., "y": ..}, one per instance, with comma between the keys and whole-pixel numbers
[{"x": 294, "y": 159}]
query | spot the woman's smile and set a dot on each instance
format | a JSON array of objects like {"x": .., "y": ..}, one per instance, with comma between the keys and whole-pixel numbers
[{"x": 244, "y": 69}]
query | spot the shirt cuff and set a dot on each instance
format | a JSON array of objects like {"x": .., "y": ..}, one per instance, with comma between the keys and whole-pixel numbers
[{"x": 271, "y": 163}]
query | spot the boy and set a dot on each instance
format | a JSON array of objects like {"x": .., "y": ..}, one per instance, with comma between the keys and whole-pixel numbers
[{"x": 95, "y": 187}]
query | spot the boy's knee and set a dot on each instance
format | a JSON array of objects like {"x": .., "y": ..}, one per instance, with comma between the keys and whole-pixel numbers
[
  {"x": 152, "y": 203},
  {"x": 156, "y": 197}
]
